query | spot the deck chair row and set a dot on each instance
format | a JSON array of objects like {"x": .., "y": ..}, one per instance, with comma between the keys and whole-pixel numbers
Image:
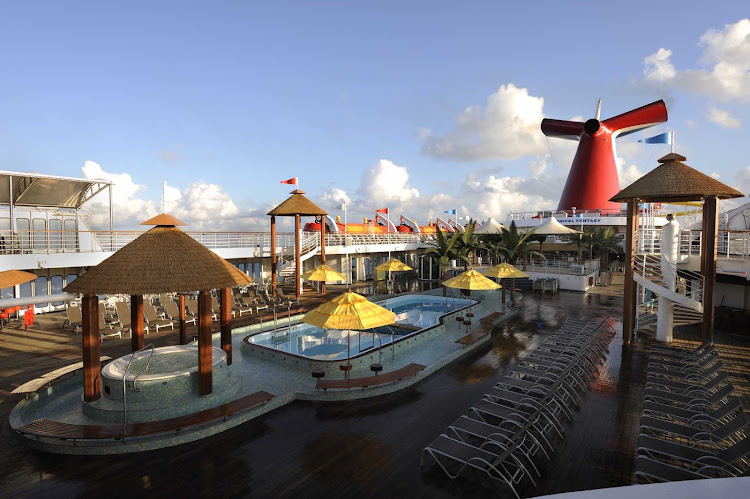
[
  {"x": 692, "y": 426},
  {"x": 507, "y": 434}
]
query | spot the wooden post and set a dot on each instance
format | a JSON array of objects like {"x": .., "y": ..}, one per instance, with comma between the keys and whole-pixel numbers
[
  {"x": 183, "y": 326},
  {"x": 628, "y": 311},
  {"x": 711, "y": 234},
  {"x": 297, "y": 254},
  {"x": 205, "y": 349},
  {"x": 136, "y": 322},
  {"x": 274, "y": 277},
  {"x": 323, "y": 249},
  {"x": 226, "y": 323},
  {"x": 92, "y": 384}
]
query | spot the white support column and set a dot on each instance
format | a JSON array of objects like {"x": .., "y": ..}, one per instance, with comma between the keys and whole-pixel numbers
[{"x": 670, "y": 248}]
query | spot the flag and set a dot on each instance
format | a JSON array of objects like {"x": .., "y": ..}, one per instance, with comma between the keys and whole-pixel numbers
[
  {"x": 579, "y": 215},
  {"x": 342, "y": 206},
  {"x": 450, "y": 212},
  {"x": 292, "y": 180},
  {"x": 662, "y": 138},
  {"x": 171, "y": 193},
  {"x": 382, "y": 210}
]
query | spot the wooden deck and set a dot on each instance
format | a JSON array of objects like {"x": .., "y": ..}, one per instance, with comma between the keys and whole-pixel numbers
[{"x": 369, "y": 447}]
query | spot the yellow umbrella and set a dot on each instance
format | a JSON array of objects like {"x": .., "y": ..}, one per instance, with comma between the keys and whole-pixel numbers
[
  {"x": 471, "y": 280},
  {"x": 506, "y": 271},
  {"x": 349, "y": 311},
  {"x": 323, "y": 273},
  {"x": 393, "y": 265}
]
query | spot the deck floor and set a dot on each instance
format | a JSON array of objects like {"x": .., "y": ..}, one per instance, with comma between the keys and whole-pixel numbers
[{"x": 369, "y": 447}]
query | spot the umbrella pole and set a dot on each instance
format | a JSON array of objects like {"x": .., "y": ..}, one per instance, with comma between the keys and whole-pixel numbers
[
  {"x": 502, "y": 283},
  {"x": 348, "y": 356}
]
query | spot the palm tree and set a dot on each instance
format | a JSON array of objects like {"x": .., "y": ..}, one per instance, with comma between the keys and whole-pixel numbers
[
  {"x": 604, "y": 243},
  {"x": 514, "y": 246},
  {"x": 444, "y": 248},
  {"x": 468, "y": 243}
]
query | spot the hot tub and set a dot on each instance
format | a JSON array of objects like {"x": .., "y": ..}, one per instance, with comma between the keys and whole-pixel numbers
[{"x": 162, "y": 379}]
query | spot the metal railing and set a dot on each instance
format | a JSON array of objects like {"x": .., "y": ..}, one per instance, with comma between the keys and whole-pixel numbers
[
  {"x": 135, "y": 389},
  {"x": 731, "y": 244},
  {"x": 554, "y": 265},
  {"x": 667, "y": 275},
  {"x": 527, "y": 215},
  {"x": 341, "y": 239}
]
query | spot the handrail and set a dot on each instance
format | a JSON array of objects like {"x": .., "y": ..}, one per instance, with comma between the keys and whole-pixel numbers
[{"x": 124, "y": 385}]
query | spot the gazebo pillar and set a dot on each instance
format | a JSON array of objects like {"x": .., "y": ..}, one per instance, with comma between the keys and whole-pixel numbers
[
  {"x": 628, "y": 314},
  {"x": 205, "y": 350},
  {"x": 136, "y": 322},
  {"x": 273, "y": 256},
  {"x": 90, "y": 321},
  {"x": 708, "y": 263},
  {"x": 226, "y": 323},
  {"x": 297, "y": 252},
  {"x": 183, "y": 326},
  {"x": 323, "y": 249}
]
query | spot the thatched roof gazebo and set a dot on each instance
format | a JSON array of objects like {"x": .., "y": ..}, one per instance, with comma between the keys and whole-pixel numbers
[
  {"x": 296, "y": 205},
  {"x": 674, "y": 181},
  {"x": 162, "y": 260}
]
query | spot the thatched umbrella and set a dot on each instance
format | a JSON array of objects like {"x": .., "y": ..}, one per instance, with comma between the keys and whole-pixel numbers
[
  {"x": 674, "y": 181},
  {"x": 162, "y": 260},
  {"x": 296, "y": 205},
  {"x": 10, "y": 278}
]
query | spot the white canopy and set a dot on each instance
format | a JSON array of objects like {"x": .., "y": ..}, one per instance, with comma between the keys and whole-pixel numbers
[
  {"x": 491, "y": 226},
  {"x": 34, "y": 189},
  {"x": 736, "y": 219},
  {"x": 552, "y": 227}
]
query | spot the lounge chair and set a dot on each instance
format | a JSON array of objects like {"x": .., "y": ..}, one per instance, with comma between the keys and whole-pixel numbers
[
  {"x": 173, "y": 312},
  {"x": 654, "y": 471},
  {"x": 730, "y": 432},
  {"x": 106, "y": 330},
  {"x": 668, "y": 385},
  {"x": 691, "y": 416},
  {"x": 285, "y": 298},
  {"x": 192, "y": 305},
  {"x": 456, "y": 457},
  {"x": 692, "y": 400},
  {"x": 216, "y": 307},
  {"x": 733, "y": 459},
  {"x": 149, "y": 311},
  {"x": 75, "y": 319},
  {"x": 123, "y": 315}
]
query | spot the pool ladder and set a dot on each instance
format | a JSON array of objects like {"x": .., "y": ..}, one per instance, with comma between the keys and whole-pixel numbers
[{"x": 135, "y": 388}]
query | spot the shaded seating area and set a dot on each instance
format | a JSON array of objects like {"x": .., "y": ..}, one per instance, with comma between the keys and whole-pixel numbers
[
  {"x": 692, "y": 424},
  {"x": 504, "y": 438}
]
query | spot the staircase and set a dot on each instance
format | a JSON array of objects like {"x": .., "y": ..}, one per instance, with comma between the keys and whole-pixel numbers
[
  {"x": 686, "y": 297},
  {"x": 309, "y": 244}
]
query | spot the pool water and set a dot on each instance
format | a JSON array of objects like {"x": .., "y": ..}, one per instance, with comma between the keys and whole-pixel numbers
[
  {"x": 413, "y": 313},
  {"x": 164, "y": 362}
]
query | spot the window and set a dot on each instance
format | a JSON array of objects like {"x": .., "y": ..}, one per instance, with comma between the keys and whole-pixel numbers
[
  {"x": 39, "y": 226},
  {"x": 56, "y": 283},
  {"x": 70, "y": 234},
  {"x": 4, "y": 234},
  {"x": 22, "y": 226},
  {"x": 40, "y": 289},
  {"x": 242, "y": 268},
  {"x": 26, "y": 290},
  {"x": 70, "y": 278},
  {"x": 55, "y": 234},
  {"x": 6, "y": 293}
]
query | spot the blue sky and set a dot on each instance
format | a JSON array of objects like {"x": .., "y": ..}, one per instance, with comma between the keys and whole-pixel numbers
[{"x": 359, "y": 100}]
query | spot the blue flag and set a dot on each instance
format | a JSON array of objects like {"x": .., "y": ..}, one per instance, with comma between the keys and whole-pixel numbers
[
  {"x": 450, "y": 212},
  {"x": 662, "y": 138}
]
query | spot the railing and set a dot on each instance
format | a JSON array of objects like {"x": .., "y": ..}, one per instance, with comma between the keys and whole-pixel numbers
[
  {"x": 559, "y": 266},
  {"x": 340, "y": 239},
  {"x": 527, "y": 215},
  {"x": 125, "y": 386},
  {"x": 667, "y": 275},
  {"x": 731, "y": 244}
]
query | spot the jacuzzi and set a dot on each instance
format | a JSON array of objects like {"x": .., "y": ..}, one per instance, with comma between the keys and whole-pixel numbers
[{"x": 172, "y": 373}]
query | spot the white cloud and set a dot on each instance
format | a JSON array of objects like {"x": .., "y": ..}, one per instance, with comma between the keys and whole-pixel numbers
[
  {"x": 205, "y": 205},
  {"x": 722, "y": 118},
  {"x": 507, "y": 128},
  {"x": 742, "y": 180},
  {"x": 128, "y": 209},
  {"x": 715, "y": 175},
  {"x": 657, "y": 66},
  {"x": 334, "y": 196},
  {"x": 386, "y": 185},
  {"x": 725, "y": 74}
]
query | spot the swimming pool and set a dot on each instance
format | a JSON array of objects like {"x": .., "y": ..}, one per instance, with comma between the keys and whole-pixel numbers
[{"x": 413, "y": 313}]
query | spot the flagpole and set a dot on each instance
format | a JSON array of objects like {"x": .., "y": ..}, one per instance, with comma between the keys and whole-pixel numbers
[
  {"x": 388, "y": 218},
  {"x": 163, "y": 196},
  {"x": 346, "y": 252},
  {"x": 671, "y": 142}
]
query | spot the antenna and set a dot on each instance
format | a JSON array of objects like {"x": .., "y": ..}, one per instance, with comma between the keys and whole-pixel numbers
[{"x": 598, "y": 109}]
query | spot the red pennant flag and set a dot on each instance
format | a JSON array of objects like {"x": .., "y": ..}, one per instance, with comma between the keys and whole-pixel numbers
[
  {"x": 383, "y": 210},
  {"x": 292, "y": 180}
]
